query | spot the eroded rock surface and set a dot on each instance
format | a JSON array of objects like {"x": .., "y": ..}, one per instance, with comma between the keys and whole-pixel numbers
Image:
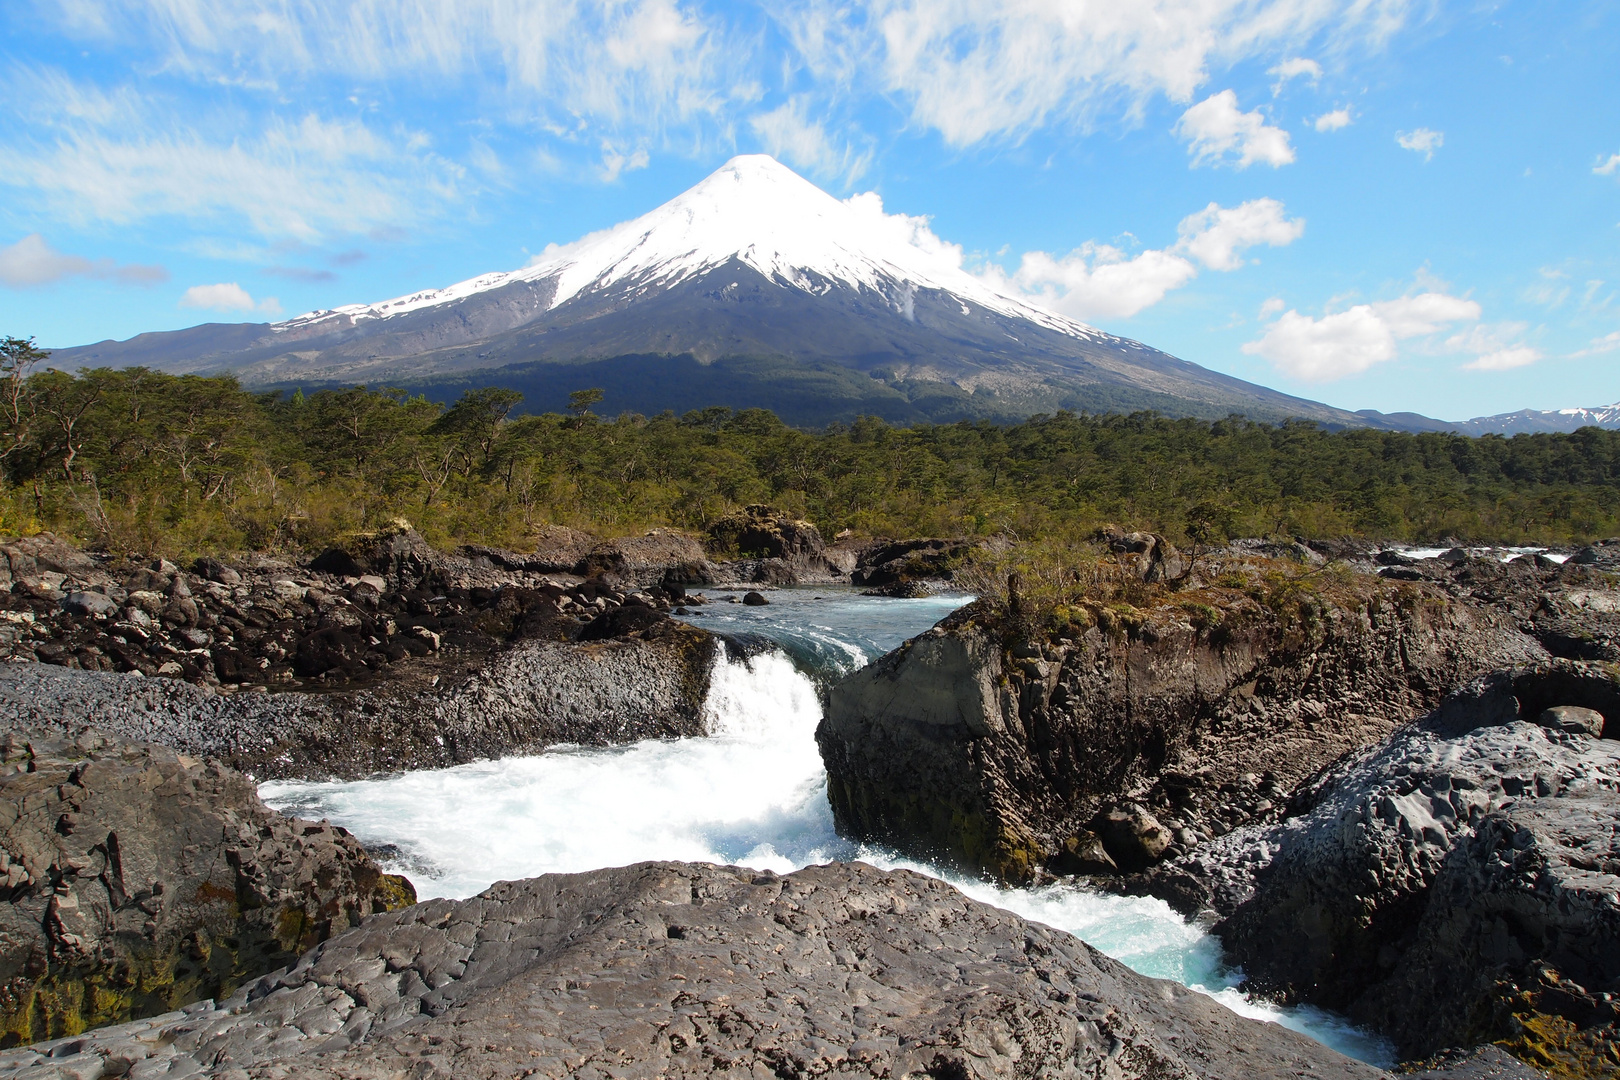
[
  {"x": 675, "y": 970},
  {"x": 134, "y": 880}
]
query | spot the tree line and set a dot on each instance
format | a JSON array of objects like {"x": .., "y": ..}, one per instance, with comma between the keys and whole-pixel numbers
[{"x": 138, "y": 460}]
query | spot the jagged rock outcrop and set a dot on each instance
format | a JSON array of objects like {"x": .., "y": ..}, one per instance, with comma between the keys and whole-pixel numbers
[
  {"x": 679, "y": 970},
  {"x": 1456, "y": 884},
  {"x": 1002, "y": 743},
  {"x": 136, "y": 880}
]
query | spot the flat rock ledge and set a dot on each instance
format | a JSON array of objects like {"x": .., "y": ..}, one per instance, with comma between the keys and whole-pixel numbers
[
  {"x": 533, "y": 695},
  {"x": 675, "y": 970}
]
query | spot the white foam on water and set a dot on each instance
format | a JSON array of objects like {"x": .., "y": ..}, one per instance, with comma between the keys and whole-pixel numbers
[
  {"x": 1506, "y": 554},
  {"x": 754, "y": 794}
]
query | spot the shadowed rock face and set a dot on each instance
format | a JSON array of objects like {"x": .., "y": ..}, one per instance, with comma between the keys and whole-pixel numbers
[
  {"x": 1453, "y": 885},
  {"x": 1189, "y": 715},
  {"x": 677, "y": 970},
  {"x": 134, "y": 880}
]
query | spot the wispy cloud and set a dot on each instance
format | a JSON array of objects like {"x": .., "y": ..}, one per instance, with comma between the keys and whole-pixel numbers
[
  {"x": 1609, "y": 167},
  {"x": 32, "y": 262},
  {"x": 788, "y": 132},
  {"x": 115, "y": 156}
]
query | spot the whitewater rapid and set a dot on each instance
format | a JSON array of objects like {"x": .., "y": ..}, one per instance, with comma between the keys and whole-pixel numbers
[{"x": 753, "y": 793}]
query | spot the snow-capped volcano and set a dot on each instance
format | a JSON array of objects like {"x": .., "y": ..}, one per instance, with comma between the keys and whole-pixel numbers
[
  {"x": 760, "y": 213},
  {"x": 752, "y": 288}
]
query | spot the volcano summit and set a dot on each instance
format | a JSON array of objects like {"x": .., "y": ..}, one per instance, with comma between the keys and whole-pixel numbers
[{"x": 753, "y": 288}]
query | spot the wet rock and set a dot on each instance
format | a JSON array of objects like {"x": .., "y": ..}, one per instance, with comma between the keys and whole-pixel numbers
[
  {"x": 676, "y": 970},
  {"x": 886, "y": 562},
  {"x": 754, "y": 599},
  {"x": 641, "y": 560},
  {"x": 134, "y": 880},
  {"x": 902, "y": 590}
]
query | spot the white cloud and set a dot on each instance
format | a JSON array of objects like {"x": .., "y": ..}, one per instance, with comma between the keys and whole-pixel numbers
[
  {"x": 31, "y": 261},
  {"x": 1505, "y": 359},
  {"x": 1421, "y": 141},
  {"x": 1331, "y": 347},
  {"x": 227, "y": 297},
  {"x": 615, "y": 162},
  {"x": 1100, "y": 281},
  {"x": 1272, "y": 306},
  {"x": 1216, "y": 127},
  {"x": 1216, "y": 236},
  {"x": 1426, "y": 313},
  {"x": 1332, "y": 121},
  {"x": 1351, "y": 341},
  {"x": 788, "y": 133},
  {"x": 1497, "y": 346},
  {"x": 1294, "y": 69},
  {"x": 1609, "y": 167}
]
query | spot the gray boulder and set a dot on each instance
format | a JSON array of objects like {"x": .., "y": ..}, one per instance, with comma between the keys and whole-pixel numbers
[{"x": 679, "y": 970}]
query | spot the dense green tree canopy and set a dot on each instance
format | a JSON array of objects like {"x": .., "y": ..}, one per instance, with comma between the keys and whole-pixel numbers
[{"x": 138, "y": 460}]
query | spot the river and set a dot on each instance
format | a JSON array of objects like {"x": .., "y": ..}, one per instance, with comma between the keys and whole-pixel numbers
[{"x": 752, "y": 793}]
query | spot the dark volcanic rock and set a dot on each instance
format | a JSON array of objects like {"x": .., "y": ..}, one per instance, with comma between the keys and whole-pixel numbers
[
  {"x": 676, "y": 970},
  {"x": 1454, "y": 885},
  {"x": 650, "y": 685},
  {"x": 409, "y": 657},
  {"x": 136, "y": 880},
  {"x": 763, "y": 532},
  {"x": 890, "y": 561},
  {"x": 975, "y": 743}
]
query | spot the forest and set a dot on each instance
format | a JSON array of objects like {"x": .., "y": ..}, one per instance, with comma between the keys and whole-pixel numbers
[{"x": 139, "y": 461}]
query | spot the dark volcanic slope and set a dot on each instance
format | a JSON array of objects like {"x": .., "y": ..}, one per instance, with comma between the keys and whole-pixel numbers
[{"x": 730, "y": 336}]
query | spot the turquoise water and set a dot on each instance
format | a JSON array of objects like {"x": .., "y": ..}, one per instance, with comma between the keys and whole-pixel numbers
[{"x": 752, "y": 793}]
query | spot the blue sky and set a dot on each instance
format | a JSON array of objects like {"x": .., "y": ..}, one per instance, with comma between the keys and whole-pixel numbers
[{"x": 1384, "y": 204}]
